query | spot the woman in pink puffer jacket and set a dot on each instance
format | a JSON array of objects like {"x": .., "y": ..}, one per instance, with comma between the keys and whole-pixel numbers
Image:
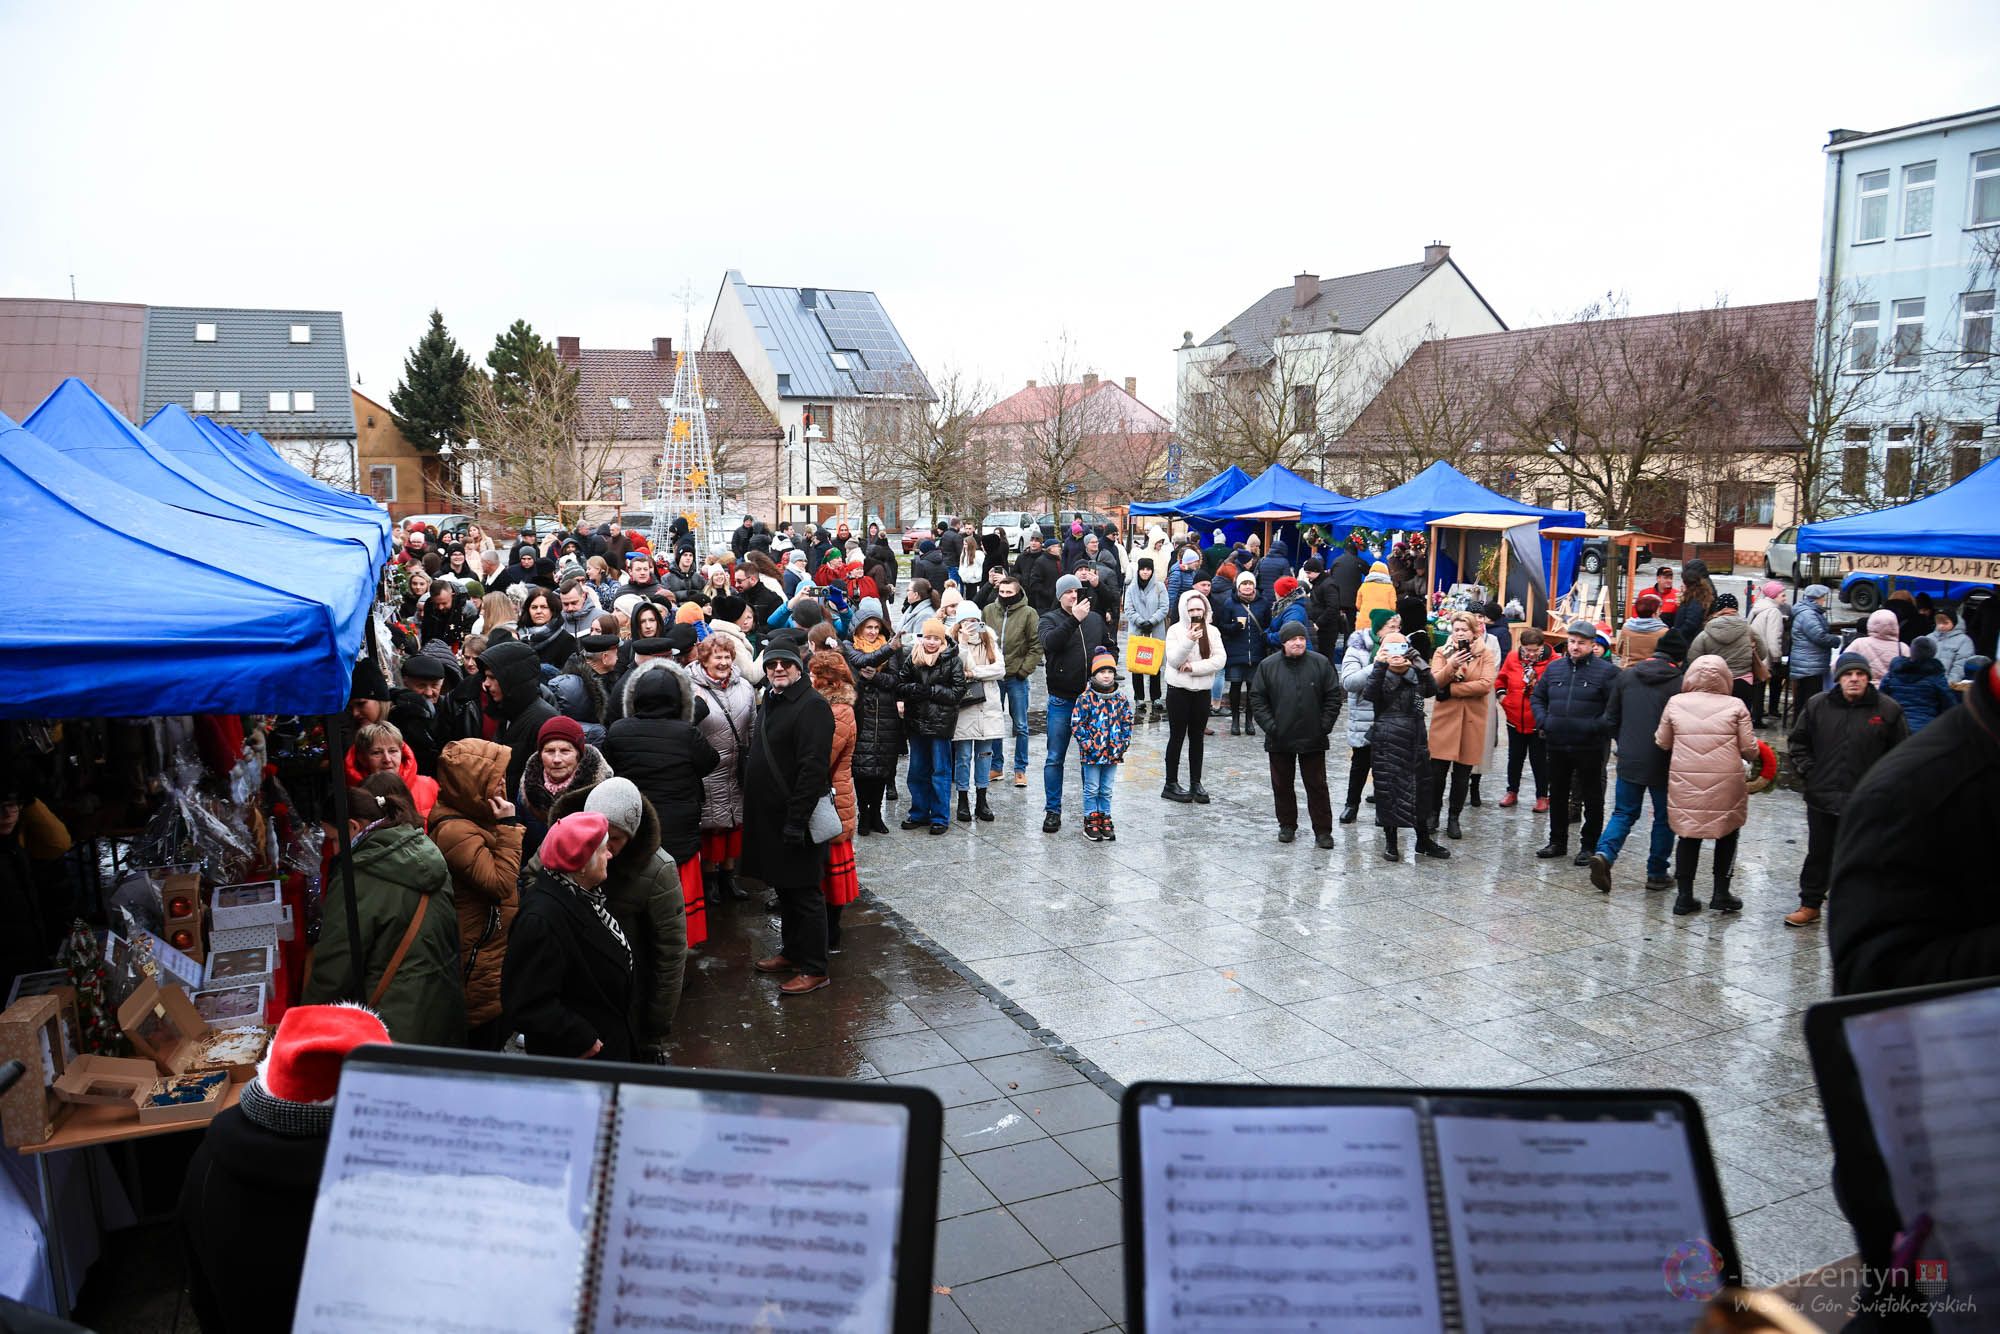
[
  {"x": 1706, "y": 728},
  {"x": 1882, "y": 645}
]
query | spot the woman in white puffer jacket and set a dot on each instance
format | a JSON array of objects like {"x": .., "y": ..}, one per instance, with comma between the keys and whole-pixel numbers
[{"x": 1193, "y": 656}]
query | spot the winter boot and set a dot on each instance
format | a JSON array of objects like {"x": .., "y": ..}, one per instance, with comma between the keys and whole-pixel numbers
[
  {"x": 1684, "y": 900},
  {"x": 1721, "y": 900},
  {"x": 725, "y": 880},
  {"x": 1175, "y": 792},
  {"x": 1451, "y": 829},
  {"x": 1390, "y": 851},
  {"x": 1235, "y": 725},
  {"x": 1555, "y": 847},
  {"x": 1091, "y": 830},
  {"x": 1198, "y": 794},
  {"x": 1348, "y": 814},
  {"x": 1430, "y": 847},
  {"x": 980, "y": 809},
  {"x": 1472, "y": 797},
  {"x": 964, "y": 809},
  {"x": 1249, "y": 725},
  {"x": 1105, "y": 829}
]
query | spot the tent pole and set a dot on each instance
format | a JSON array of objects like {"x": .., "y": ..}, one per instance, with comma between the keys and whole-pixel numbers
[
  {"x": 1461, "y": 557},
  {"x": 1431, "y": 577},
  {"x": 336, "y": 748},
  {"x": 1500, "y": 592}
]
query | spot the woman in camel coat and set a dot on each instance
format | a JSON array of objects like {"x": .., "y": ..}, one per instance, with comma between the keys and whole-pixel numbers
[
  {"x": 1706, "y": 731},
  {"x": 479, "y": 833},
  {"x": 1464, "y": 669}
]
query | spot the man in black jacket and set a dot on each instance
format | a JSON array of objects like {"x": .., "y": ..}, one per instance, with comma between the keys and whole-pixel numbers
[
  {"x": 1345, "y": 576},
  {"x": 739, "y": 541},
  {"x": 1070, "y": 632},
  {"x": 1569, "y": 703},
  {"x": 784, "y": 776},
  {"x": 1638, "y": 698},
  {"x": 512, "y": 680},
  {"x": 1838, "y": 737},
  {"x": 1295, "y": 697},
  {"x": 1040, "y": 568}
]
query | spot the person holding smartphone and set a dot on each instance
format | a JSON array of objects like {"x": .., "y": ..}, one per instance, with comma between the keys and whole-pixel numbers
[
  {"x": 1464, "y": 669},
  {"x": 1397, "y": 687}
]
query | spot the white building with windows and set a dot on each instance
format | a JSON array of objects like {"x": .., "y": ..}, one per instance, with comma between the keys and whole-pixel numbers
[{"x": 1909, "y": 251}]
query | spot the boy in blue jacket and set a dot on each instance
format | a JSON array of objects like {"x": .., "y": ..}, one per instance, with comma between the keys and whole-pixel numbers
[{"x": 1102, "y": 729}]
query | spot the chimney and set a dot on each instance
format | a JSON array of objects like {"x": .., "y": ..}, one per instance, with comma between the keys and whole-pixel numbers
[
  {"x": 1031, "y": 384},
  {"x": 1132, "y": 385},
  {"x": 1436, "y": 253},
  {"x": 1090, "y": 379},
  {"x": 663, "y": 349},
  {"x": 1305, "y": 290},
  {"x": 569, "y": 348},
  {"x": 809, "y": 297}
]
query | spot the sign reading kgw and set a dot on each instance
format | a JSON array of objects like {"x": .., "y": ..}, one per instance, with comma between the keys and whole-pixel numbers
[{"x": 1922, "y": 567}]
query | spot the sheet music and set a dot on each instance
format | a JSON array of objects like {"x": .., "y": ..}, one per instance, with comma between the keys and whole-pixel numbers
[
  {"x": 1286, "y": 1218},
  {"x": 739, "y": 1211},
  {"x": 1568, "y": 1225},
  {"x": 452, "y": 1202},
  {"x": 1930, "y": 1074}
]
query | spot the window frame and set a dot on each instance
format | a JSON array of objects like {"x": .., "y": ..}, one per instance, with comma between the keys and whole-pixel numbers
[
  {"x": 1969, "y": 316},
  {"x": 229, "y": 400},
  {"x": 280, "y": 400},
  {"x": 1911, "y": 187},
  {"x": 379, "y": 469},
  {"x": 1973, "y": 179},
  {"x": 1899, "y": 450},
  {"x": 1852, "y": 451},
  {"x": 1898, "y": 322},
  {"x": 1738, "y": 498},
  {"x": 1863, "y": 197},
  {"x": 304, "y": 400},
  {"x": 197, "y": 405},
  {"x": 214, "y": 331},
  {"x": 298, "y": 329},
  {"x": 1305, "y": 407},
  {"x": 621, "y": 403},
  {"x": 1874, "y": 325}
]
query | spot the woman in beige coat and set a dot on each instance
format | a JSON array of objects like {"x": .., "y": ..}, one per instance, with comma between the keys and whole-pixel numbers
[
  {"x": 1706, "y": 730},
  {"x": 1464, "y": 668},
  {"x": 982, "y": 722}
]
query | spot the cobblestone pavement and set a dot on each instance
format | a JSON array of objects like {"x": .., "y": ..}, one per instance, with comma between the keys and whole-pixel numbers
[{"x": 1197, "y": 947}]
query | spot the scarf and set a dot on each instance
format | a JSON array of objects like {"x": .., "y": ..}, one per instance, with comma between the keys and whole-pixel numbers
[
  {"x": 869, "y": 638},
  {"x": 595, "y": 899},
  {"x": 918, "y": 656}
]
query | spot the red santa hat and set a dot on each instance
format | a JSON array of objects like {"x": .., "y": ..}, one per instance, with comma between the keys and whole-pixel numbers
[{"x": 303, "y": 1064}]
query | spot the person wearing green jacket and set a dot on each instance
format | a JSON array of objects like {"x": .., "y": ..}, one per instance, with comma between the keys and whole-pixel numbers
[
  {"x": 408, "y": 921},
  {"x": 1017, "y": 625}
]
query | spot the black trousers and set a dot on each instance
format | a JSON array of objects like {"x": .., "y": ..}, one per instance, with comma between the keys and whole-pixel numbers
[
  {"x": 1145, "y": 687},
  {"x": 1752, "y": 694},
  {"x": 1460, "y": 776},
  {"x": 868, "y": 792},
  {"x": 1582, "y": 771},
  {"x": 1187, "y": 715},
  {"x": 802, "y": 927},
  {"x": 1822, "y": 827},
  {"x": 1525, "y": 747},
  {"x": 1357, "y": 774},
  {"x": 833, "y": 911},
  {"x": 1687, "y": 860},
  {"x": 1803, "y": 689},
  {"x": 1310, "y": 766},
  {"x": 1774, "y": 693}
]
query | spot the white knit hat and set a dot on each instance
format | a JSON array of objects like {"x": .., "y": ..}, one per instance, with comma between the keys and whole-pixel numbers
[{"x": 618, "y": 801}]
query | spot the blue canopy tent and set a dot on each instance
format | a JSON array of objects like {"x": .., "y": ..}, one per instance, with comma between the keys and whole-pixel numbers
[
  {"x": 1277, "y": 496},
  {"x": 1958, "y": 522},
  {"x": 1214, "y": 491},
  {"x": 189, "y": 636},
  {"x": 1438, "y": 492},
  {"x": 262, "y": 458}
]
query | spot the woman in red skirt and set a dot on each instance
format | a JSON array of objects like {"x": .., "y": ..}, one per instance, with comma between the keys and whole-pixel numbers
[
  {"x": 726, "y": 726},
  {"x": 840, "y": 884}
]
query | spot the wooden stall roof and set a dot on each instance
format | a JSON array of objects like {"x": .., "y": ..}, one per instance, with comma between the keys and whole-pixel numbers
[
  {"x": 1621, "y": 536},
  {"x": 1485, "y": 523}
]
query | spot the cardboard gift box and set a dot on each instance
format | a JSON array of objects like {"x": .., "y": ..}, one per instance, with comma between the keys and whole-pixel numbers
[
  {"x": 31, "y": 1033},
  {"x": 195, "y": 1097},
  {"x": 240, "y": 966},
  {"x": 234, "y": 1051},
  {"x": 163, "y": 1024},
  {"x": 254, "y": 904},
  {"x": 113, "y": 1081},
  {"x": 223, "y": 939},
  {"x": 230, "y": 1007}
]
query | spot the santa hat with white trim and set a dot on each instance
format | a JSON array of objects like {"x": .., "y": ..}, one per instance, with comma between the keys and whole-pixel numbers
[{"x": 295, "y": 1082}]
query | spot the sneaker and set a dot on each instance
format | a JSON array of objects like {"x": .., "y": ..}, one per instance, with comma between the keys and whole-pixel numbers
[
  {"x": 1659, "y": 882},
  {"x": 940, "y": 828},
  {"x": 1600, "y": 872},
  {"x": 1052, "y": 822},
  {"x": 995, "y": 775},
  {"x": 1511, "y": 799},
  {"x": 1107, "y": 829},
  {"x": 1541, "y": 805},
  {"x": 1020, "y": 780},
  {"x": 913, "y": 824},
  {"x": 1090, "y": 826},
  {"x": 1802, "y": 916}
]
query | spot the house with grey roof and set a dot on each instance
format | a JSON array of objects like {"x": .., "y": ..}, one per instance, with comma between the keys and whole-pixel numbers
[
  {"x": 1306, "y": 357},
  {"x": 842, "y": 384},
  {"x": 281, "y": 373}
]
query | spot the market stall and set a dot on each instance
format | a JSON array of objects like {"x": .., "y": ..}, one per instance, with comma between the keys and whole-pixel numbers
[
  {"x": 1612, "y": 604},
  {"x": 1277, "y": 496},
  {"x": 1214, "y": 491},
  {"x": 1437, "y": 492},
  {"x": 1486, "y": 557}
]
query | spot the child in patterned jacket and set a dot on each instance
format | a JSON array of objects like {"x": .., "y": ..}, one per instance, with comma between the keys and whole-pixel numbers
[{"x": 1102, "y": 728}]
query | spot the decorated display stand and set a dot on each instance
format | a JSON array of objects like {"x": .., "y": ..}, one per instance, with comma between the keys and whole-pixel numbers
[
  {"x": 1612, "y": 605},
  {"x": 1493, "y": 555}
]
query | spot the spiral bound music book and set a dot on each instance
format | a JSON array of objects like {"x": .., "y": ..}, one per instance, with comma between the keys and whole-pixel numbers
[
  {"x": 464, "y": 1192},
  {"x": 1283, "y": 1209}
]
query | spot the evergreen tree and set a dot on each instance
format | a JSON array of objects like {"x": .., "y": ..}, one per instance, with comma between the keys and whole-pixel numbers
[
  {"x": 430, "y": 403},
  {"x": 514, "y": 351}
]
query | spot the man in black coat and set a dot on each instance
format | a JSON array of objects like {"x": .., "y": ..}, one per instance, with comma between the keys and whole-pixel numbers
[
  {"x": 1839, "y": 735},
  {"x": 930, "y": 566},
  {"x": 421, "y": 713},
  {"x": 656, "y": 744},
  {"x": 1569, "y": 702},
  {"x": 1040, "y": 568},
  {"x": 739, "y": 541},
  {"x": 1638, "y": 698},
  {"x": 512, "y": 683},
  {"x": 1295, "y": 697},
  {"x": 1345, "y": 576},
  {"x": 951, "y": 543},
  {"x": 1070, "y": 632},
  {"x": 785, "y": 773}
]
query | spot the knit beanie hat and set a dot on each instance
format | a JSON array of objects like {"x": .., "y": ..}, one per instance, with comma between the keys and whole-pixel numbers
[
  {"x": 573, "y": 840},
  {"x": 869, "y": 607},
  {"x": 1674, "y": 644},
  {"x": 560, "y": 728},
  {"x": 1069, "y": 583},
  {"x": 1851, "y": 662},
  {"x": 1727, "y": 600},
  {"x": 1379, "y": 618},
  {"x": 293, "y": 1090},
  {"x": 690, "y": 613},
  {"x": 1922, "y": 649},
  {"x": 619, "y": 802},
  {"x": 1773, "y": 589},
  {"x": 1285, "y": 587},
  {"x": 935, "y": 626},
  {"x": 728, "y": 608},
  {"x": 1292, "y": 630},
  {"x": 1101, "y": 659}
]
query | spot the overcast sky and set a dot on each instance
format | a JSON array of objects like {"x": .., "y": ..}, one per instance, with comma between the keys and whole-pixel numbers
[{"x": 998, "y": 175}]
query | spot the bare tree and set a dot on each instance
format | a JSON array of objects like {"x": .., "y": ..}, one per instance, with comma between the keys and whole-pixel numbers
[
  {"x": 933, "y": 446},
  {"x": 532, "y": 438},
  {"x": 1438, "y": 400},
  {"x": 1048, "y": 445},
  {"x": 860, "y": 449},
  {"x": 1280, "y": 412},
  {"x": 329, "y": 461},
  {"x": 1127, "y": 464}
]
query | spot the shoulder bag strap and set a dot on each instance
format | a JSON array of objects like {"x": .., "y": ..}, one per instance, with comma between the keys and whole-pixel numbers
[
  {"x": 722, "y": 707},
  {"x": 402, "y": 948}
]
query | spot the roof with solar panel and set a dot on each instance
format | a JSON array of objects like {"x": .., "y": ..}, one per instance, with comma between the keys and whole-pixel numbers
[{"x": 827, "y": 342}]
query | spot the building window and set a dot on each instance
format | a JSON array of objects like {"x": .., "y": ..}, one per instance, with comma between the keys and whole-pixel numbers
[
  {"x": 1747, "y": 504},
  {"x": 666, "y": 405},
  {"x": 1919, "y": 186},
  {"x": 1986, "y": 188},
  {"x": 1897, "y": 460},
  {"x": 204, "y": 333},
  {"x": 1975, "y": 328},
  {"x": 612, "y": 487},
  {"x": 1545, "y": 497},
  {"x": 382, "y": 481},
  {"x": 1864, "y": 328},
  {"x": 1854, "y": 463},
  {"x": 840, "y": 361},
  {"x": 302, "y": 401},
  {"x": 302, "y": 333},
  {"x": 1305, "y": 406},
  {"x": 1907, "y": 353},
  {"x": 1967, "y": 451},
  {"x": 229, "y": 400},
  {"x": 620, "y": 402},
  {"x": 820, "y": 415},
  {"x": 204, "y": 400},
  {"x": 1871, "y": 213},
  {"x": 281, "y": 402}
]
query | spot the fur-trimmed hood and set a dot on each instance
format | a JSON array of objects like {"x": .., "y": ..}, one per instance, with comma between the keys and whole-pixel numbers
[
  {"x": 639, "y": 849},
  {"x": 658, "y": 688}
]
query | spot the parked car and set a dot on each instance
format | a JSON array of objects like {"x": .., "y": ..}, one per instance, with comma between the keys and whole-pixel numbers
[
  {"x": 1060, "y": 521},
  {"x": 1597, "y": 553},
  {"x": 1016, "y": 526},
  {"x": 542, "y": 527},
  {"x": 450, "y": 527},
  {"x": 1865, "y": 592}
]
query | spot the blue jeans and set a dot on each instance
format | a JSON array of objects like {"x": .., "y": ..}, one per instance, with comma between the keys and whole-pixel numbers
[
  {"x": 1625, "y": 813},
  {"x": 930, "y": 779},
  {"x": 1017, "y": 709},
  {"x": 1055, "y": 749},
  {"x": 1097, "y": 788},
  {"x": 972, "y": 761}
]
